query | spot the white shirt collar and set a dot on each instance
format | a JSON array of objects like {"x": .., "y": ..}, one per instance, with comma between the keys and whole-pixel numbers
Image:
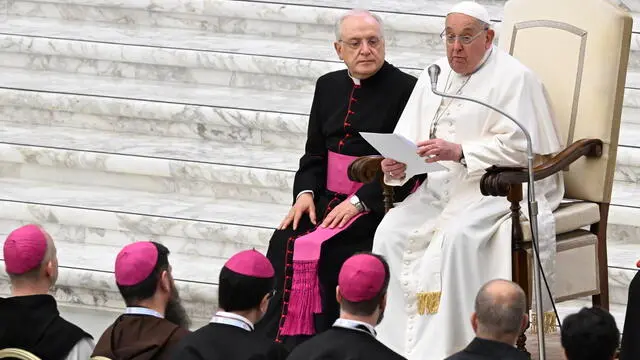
[
  {"x": 356, "y": 325},
  {"x": 355, "y": 80},
  {"x": 135, "y": 310},
  {"x": 227, "y": 318}
]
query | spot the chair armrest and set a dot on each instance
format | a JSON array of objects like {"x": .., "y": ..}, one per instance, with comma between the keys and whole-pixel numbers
[
  {"x": 365, "y": 168},
  {"x": 498, "y": 179}
]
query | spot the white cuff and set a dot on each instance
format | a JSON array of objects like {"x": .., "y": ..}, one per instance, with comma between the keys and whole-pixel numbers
[{"x": 305, "y": 192}]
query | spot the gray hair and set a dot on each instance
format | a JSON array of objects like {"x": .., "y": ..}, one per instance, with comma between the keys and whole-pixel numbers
[
  {"x": 500, "y": 311},
  {"x": 357, "y": 12}
]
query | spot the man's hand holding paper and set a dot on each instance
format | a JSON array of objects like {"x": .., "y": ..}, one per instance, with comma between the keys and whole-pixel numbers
[
  {"x": 396, "y": 170},
  {"x": 439, "y": 150},
  {"x": 402, "y": 155}
]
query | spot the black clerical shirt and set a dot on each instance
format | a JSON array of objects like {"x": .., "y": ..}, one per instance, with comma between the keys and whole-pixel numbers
[{"x": 342, "y": 109}]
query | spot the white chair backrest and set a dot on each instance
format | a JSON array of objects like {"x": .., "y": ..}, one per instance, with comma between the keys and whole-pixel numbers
[{"x": 580, "y": 51}]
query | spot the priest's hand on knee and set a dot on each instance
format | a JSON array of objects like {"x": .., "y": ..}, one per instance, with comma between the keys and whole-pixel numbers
[
  {"x": 304, "y": 204},
  {"x": 340, "y": 215},
  {"x": 393, "y": 169},
  {"x": 438, "y": 150}
]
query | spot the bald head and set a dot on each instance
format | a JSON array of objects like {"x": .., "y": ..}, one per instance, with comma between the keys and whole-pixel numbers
[
  {"x": 500, "y": 309},
  {"x": 362, "y": 15}
]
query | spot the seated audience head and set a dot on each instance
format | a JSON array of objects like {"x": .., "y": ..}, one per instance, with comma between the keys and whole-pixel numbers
[
  {"x": 590, "y": 334},
  {"x": 467, "y": 36},
  {"x": 362, "y": 287},
  {"x": 143, "y": 276},
  {"x": 360, "y": 43},
  {"x": 246, "y": 285},
  {"x": 30, "y": 260},
  {"x": 500, "y": 311}
]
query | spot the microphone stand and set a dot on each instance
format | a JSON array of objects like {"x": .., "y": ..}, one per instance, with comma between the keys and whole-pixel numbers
[{"x": 434, "y": 72}]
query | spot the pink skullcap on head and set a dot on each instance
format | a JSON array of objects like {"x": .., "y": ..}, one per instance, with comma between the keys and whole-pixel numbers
[
  {"x": 250, "y": 263},
  {"x": 135, "y": 262},
  {"x": 24, "y": 249},
  {"x": 361, "y": 278}
]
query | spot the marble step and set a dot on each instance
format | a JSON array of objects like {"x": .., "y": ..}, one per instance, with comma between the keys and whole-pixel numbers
[
  {"x": 99, "y": 215},
  {"x": 146, "y": 107},
  {"x": 161, "y": 165}
]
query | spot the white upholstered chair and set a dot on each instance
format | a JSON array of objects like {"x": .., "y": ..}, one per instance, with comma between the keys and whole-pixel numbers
[{"x": 580, "y": 50}]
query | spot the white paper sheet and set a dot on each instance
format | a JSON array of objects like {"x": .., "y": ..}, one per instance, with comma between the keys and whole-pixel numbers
[{"x": 399, "y": 148}]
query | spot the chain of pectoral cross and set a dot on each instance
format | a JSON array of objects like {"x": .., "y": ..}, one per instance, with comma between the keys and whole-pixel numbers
[{"x": 441, "y": 111}]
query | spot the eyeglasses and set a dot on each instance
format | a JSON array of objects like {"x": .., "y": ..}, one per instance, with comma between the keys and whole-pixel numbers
[
  {"x": 272, "y": 293},
  {"x": 464, "y": 39},
  {"x": 355, "y": 44}
]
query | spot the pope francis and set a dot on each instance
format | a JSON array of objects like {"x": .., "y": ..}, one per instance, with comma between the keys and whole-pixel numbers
[{"x": 447, "y": 239}]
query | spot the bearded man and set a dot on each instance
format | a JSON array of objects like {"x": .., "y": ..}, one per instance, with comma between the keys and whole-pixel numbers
[{"x": 154, "y": 320}]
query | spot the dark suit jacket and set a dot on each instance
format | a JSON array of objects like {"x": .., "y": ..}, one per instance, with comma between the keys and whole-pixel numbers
[{"x": 481, "y": 349}]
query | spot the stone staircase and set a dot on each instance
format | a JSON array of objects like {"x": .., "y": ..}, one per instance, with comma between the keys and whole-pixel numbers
[{"x": 182, "y": 121}]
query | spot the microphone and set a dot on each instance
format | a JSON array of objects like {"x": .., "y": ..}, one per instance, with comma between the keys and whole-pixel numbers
[{"x": 434, "y": 72}]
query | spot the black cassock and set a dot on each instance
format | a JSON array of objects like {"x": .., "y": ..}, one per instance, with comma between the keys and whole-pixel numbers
[
  {"x": 343, "y": 344},
  {"x": 340, "y": 111},
  {"x": 630, "y": 348},
  {"x": 227, "y": 342}
]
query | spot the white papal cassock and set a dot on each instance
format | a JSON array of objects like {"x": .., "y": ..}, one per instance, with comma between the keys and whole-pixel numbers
[{"x": 447, "y": 239}]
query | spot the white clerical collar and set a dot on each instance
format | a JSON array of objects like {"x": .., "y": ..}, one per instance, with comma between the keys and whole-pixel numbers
[
  {"x": 356, "y": 325},
  {"x": 142, "y": 311},
  {"x": 355, "y": 80},
  {"x": 227, "y": 318}
]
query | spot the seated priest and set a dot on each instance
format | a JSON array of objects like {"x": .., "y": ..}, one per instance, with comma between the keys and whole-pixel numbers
[
  {"x": 362, "y": 295},
  {"x": 154, "y": 320},
  {"x": 245, "y": 287},
  {"x": 29, "y": 318},
  {"x": 446, "y": 239},
  {"x": 332, "y": 217}
]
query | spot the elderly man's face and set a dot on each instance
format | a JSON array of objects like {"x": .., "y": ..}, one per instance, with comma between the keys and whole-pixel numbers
[
  {"x": 361, "y": 46},
  {"x": 467, "y": 40}
]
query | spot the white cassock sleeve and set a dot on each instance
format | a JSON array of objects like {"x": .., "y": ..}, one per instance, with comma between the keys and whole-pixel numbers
[
  {"x": 523, "y": 98},
  {"x": 82, "y": 350},
  {"x": 410, "y": 123}
]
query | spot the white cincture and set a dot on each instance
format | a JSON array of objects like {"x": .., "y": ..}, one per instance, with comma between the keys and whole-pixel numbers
[
  {"x": 142, "y": 311},
  {"x": 356, "y": 325},
  {"x": 227, "y": 318}
]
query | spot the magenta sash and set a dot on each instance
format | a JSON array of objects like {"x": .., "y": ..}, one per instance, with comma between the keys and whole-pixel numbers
[
  {"x": 337, "y": 177},
  {"x": 304, "y": 299}
]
